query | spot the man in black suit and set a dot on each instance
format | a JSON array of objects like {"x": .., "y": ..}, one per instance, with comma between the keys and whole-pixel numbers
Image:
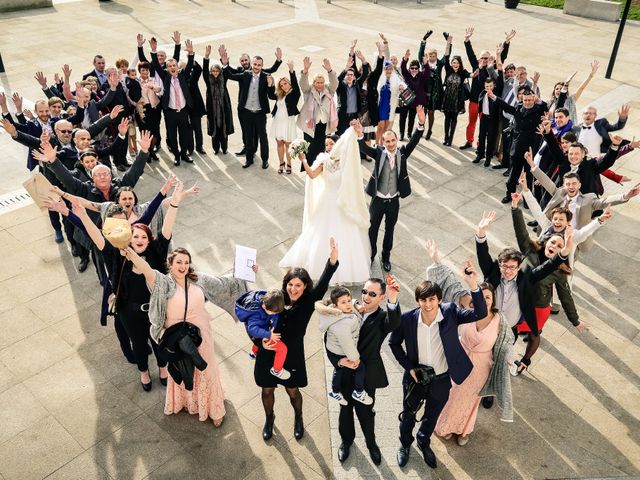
[
  {"x": 99, "y": 64},
  {"x": 389, "y": 183},
  {"x": 254, "y": 101},
  {"x": 376, "y": 325},
  {"x": 489, "y": 118},
  {"x": 432, "y": 357},
  {"x": 176, "y": 101},
  {"x": 245, "y": 66},
  {"x": 594, "y": 134},
  {"x": 350, "y": 91}
]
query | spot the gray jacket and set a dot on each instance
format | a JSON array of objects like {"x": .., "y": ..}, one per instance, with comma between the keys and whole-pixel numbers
[{"x": 343, "y": 330}]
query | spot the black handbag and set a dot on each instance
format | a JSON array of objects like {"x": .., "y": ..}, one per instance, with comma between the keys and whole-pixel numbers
[{"x": 406, "y": 97}]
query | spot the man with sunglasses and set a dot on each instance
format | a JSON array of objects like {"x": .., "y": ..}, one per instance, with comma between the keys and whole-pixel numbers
[
  {"x": 349, "y": 91},
  {"x": 376, "y": 324}
]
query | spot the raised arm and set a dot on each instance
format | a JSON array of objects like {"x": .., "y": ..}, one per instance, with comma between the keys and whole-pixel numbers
[
  {"x": 322, "y": 285},
  {"x": 172, "y": 212},
  {"x": 310, "y": 171},
  {"x": 92, "y": 230},
  {"x": 542, "y": 177},
  {"x": 594, "y": 68},
  {"x": 473, "y": 60},
  {"x": 142, "y": 266},
  {"x": 519, "y": 227},
  {"x": 135, "y": 171}
]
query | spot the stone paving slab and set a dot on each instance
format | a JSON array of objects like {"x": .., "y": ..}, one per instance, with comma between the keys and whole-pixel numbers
[{"x": 71, "y": 407}]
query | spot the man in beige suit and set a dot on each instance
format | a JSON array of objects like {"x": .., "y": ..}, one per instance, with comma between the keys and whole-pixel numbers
[{"x": 581, "y": 205}]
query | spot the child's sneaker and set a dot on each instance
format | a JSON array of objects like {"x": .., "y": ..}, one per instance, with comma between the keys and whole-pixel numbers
[
  {"x": 338, "y": 396},
  {"x": 282, "y": 374},
  {"x": 252, "y": 355},
  {"x": 362, "y": 397}
]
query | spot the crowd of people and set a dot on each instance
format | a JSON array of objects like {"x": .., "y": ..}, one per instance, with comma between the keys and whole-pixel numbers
[{"x": 92, "y": 138}]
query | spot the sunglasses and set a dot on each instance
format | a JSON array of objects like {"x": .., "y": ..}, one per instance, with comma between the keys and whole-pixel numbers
[
  {"x": 370, "y": 293},
  {"x": 413, "y": 68},
  {"x": 65, "y": 131}
]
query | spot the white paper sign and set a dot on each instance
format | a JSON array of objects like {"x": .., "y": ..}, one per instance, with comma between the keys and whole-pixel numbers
[{"x": 244, "y": 261}]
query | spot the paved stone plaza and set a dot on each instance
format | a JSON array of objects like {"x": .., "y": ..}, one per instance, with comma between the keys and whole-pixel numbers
[{"x": 72, "y": 408}]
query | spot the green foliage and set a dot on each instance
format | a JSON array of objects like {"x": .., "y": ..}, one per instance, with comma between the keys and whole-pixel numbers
[{"x": 634, "y": 11}]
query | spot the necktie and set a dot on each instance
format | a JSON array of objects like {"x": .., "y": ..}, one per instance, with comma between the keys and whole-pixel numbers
[
  {"x": 566, "y": 203},
  {"x": 175, "y": 84},
  {"x": 392, "y": 159},
  {"x": 584, "y": 127}
]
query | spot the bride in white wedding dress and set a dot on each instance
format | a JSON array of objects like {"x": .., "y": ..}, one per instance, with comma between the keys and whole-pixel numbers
[{"x": 334, "y": 206}]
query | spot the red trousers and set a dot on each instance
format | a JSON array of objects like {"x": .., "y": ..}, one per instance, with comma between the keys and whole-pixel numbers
[
  {"x": 281, "y": 354},
  {"x": 473, "y": 119}
]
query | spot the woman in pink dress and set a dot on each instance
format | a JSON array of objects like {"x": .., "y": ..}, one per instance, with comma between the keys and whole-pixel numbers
[
  {"x": 167, "y": 307},
  {"x": 459, "y": 414}
]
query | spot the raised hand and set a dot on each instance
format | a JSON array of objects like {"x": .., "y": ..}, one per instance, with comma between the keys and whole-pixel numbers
[
  {"x": 56, "y": 79},
  {"x": 523, "y": 182},
  {"x": 3, "y": 102},
  {"x": 333, "y": 251},
  {"x": 468, "y": 33},
  {"x": 634, "y": 143},
  {"x": 17, "y": 101},
  {"x": 407, "y": 54},
  {"x": 224, "y": 55},
  {"x": 432, "y": 249},
  {"x": 357, "y": 127},
  {"x": 535, "y": 77},
  {"x": 515, "y": 199},
  {"x": 499, "y": 50},
  {"x": 306, "y": 64},
  {"x": 153, "y": 44},
  {"x": 352, "y": 47},
  {"x": 384, "y": 39},
  {"x": 633, "y": 192},
  {"x": 46, "y": 153},
  {"x": 27, "y": 113},
  {"x": 145, "y": 140},
  {"x": 124, "y": 126},
  {"x": 485, "y": 222},
  {"x": 623, "y": 111},
  {"x": 291, "y": 66},
  {"x": 595, "y": 64},
  {"x": 169, "y": 184},
  {"x": 66, "y": 72},
  {"x": 422, "y": 115},
  {"x": 615, "y": 139},
  {"x": 9, "y": 127},
  {"x": 54, "y": 206},
  {"x": 508, "y": 36},
  {"x": 528, "y": 156},
  {"x": 326, "y": 64},
  {"x": 279, "y": 54},
  {"x": 380, "y": 49},
  {"x": 178, "y": 193},
  {"x": 115, "y": 111},
  {"x": 269, "y": 81},
  {"x": 606, "y": 215},
  {"x": 350, "y": 62},
  {"x": 176, "y": 37},
  {"x": 41, "y": 79},
  {"x": 192, "y": 191},
  {"x": 569, "y": 234},
  {"x": 393, "y": 289},
  {"x": 207, "y": 51},
  {"x": 470, "y": 275},
  {"x": 360, "y": 55},
  {"x": 80, "y": 211},
  {"x": 113, "y": 80},
  {"x": 140, "y": 39},
  {"x": 188, "y": 46}
]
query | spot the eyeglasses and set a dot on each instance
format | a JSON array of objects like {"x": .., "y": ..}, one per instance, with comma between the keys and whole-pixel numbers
[
  {"x": 102, "y": 174},
  {"x": 65, "y": 131},
  {"x": 504, "y": 266},
  {"x": 413, "y": 68},
  {"x": 370, "y": 293},
  {"x": 484, "y": 58}
]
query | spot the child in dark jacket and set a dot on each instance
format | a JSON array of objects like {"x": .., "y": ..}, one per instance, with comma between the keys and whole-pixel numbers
[{"x": 259, "y": 311}]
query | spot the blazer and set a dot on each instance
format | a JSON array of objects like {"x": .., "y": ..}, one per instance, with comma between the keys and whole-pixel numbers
[
  {"x": 183, "y": 78},
  {"x": 143, "y": 58},
  {"x": 197, "y": 107},
  {"x": 527, "y": 277},
  {"x": 239, "y": 69},
  {"x": 404, "y": 185},
  {"x": 603, "y": 127},
  {"x": 494, "y": 106},
  {"x": 290, "y": 100},
  {"x": 459, "y": 364},
  {"x": 341, "y": 91},
  {"x": 244, "y": 83}
]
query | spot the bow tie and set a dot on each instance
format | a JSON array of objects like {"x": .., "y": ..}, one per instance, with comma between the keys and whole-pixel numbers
[{"x": 585, "y": 127}]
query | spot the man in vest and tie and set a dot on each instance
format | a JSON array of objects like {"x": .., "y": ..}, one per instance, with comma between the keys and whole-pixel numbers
[{"x": 389, "y": 183}]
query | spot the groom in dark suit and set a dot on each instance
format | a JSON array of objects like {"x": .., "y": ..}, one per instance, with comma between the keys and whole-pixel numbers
[
  {"x": 432, "y": 357},
  {"x": 389, "y": 183}
]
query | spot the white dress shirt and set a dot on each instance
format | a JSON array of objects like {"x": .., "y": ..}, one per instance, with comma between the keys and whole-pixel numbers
[
  {"x": 430, "y": 348},
  {"x": 591, "y": 139},
  {"x": 176, "y": 89}
]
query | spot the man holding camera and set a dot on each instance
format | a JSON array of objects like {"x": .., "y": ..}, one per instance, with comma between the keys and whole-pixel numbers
[{"x": 432, "y": 356}]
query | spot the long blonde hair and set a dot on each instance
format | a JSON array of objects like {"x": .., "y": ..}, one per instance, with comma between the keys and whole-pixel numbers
[{"x": 279, "y": 92}]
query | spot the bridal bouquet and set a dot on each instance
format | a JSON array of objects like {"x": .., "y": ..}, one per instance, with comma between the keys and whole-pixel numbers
[{"x": 297, "y": 147}]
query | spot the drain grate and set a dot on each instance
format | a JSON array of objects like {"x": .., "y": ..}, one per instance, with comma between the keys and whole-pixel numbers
[{"x": 13, "y": 200}]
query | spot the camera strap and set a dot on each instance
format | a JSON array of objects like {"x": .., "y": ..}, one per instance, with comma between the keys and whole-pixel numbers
[{"x": 408, "y": 410}]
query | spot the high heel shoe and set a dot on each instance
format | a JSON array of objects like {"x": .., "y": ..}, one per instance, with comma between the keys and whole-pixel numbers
[
  {"x": 163, "y": 381},
  {"x": 298, "y": 427},
  {"x": 267, "y": 431},
  {"x": 146, "y": 386}
]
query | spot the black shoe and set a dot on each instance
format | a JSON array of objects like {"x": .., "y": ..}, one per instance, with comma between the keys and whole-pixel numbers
[
  {"x": 176, "y": 161},
  {"x": 465, "y": 146},
  {"x": 58, "y": 236},
  {"x": 403, "y": 456},
  {"x": 146, "y": 386},
  {"x": 343, "y": 451},
  {"x": 298, "y": 427},
  {"x": 163, "y": 381},
  {"x": 153, "y": 156},
  {"x": 477, "y": 159},
  {"x": 241, "y": 152},
  {"x": 499, "y": 166},
  {"x": 429, "y": 457},
  {"x": 428, "y": 135},
  {"x": 216, "y": 151},
  {"x": 224, "y": 152},
  {"x": 532, "y": 223},
  {"x": 121, "y": 168},
  {"x": 506, "y": 199},
  {"x": 149, "y": 159},
  {"x": 265, "y": 164},
  {"x": 201, "y": 151},
  {"x": 386, "y": 265},
  {"x": 487, "y": 402},
  {"x": 487, "y": 162},
  {"x": 247, "y": 164},
  {"x": 83, "y": 265},
  {"x": 74, "y": 250},
  {"x": 186, "y": 158},
  {"x": 402, "y": 138},
  {"x": 156, "y": 148},
  {"x": 267, "y": 431},
  {"x": 506, "y": 173},
  {"x": 376, "y": 456}
]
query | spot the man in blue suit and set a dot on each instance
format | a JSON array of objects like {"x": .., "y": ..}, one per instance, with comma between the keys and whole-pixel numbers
[{"x": 432, "y": 357}]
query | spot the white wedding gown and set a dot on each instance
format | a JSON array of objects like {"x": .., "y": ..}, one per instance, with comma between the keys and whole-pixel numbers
[{"x": 334, "y": 207}]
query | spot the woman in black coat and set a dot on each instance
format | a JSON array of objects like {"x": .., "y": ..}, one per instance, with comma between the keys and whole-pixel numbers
[
  {"x": 300, "y": 295},
  {"x": 219, "y": 112},
  {"x": 197, "y": 109}
]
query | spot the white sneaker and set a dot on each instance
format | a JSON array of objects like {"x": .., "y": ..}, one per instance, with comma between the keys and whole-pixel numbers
[
  {"x": 338, "y": 396},
  {"x": 252, "y": 356},
  {"x": 362, "y": 397},
  {"x": 282, "y": 374},
  {"x": 463, "y": 441}
]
